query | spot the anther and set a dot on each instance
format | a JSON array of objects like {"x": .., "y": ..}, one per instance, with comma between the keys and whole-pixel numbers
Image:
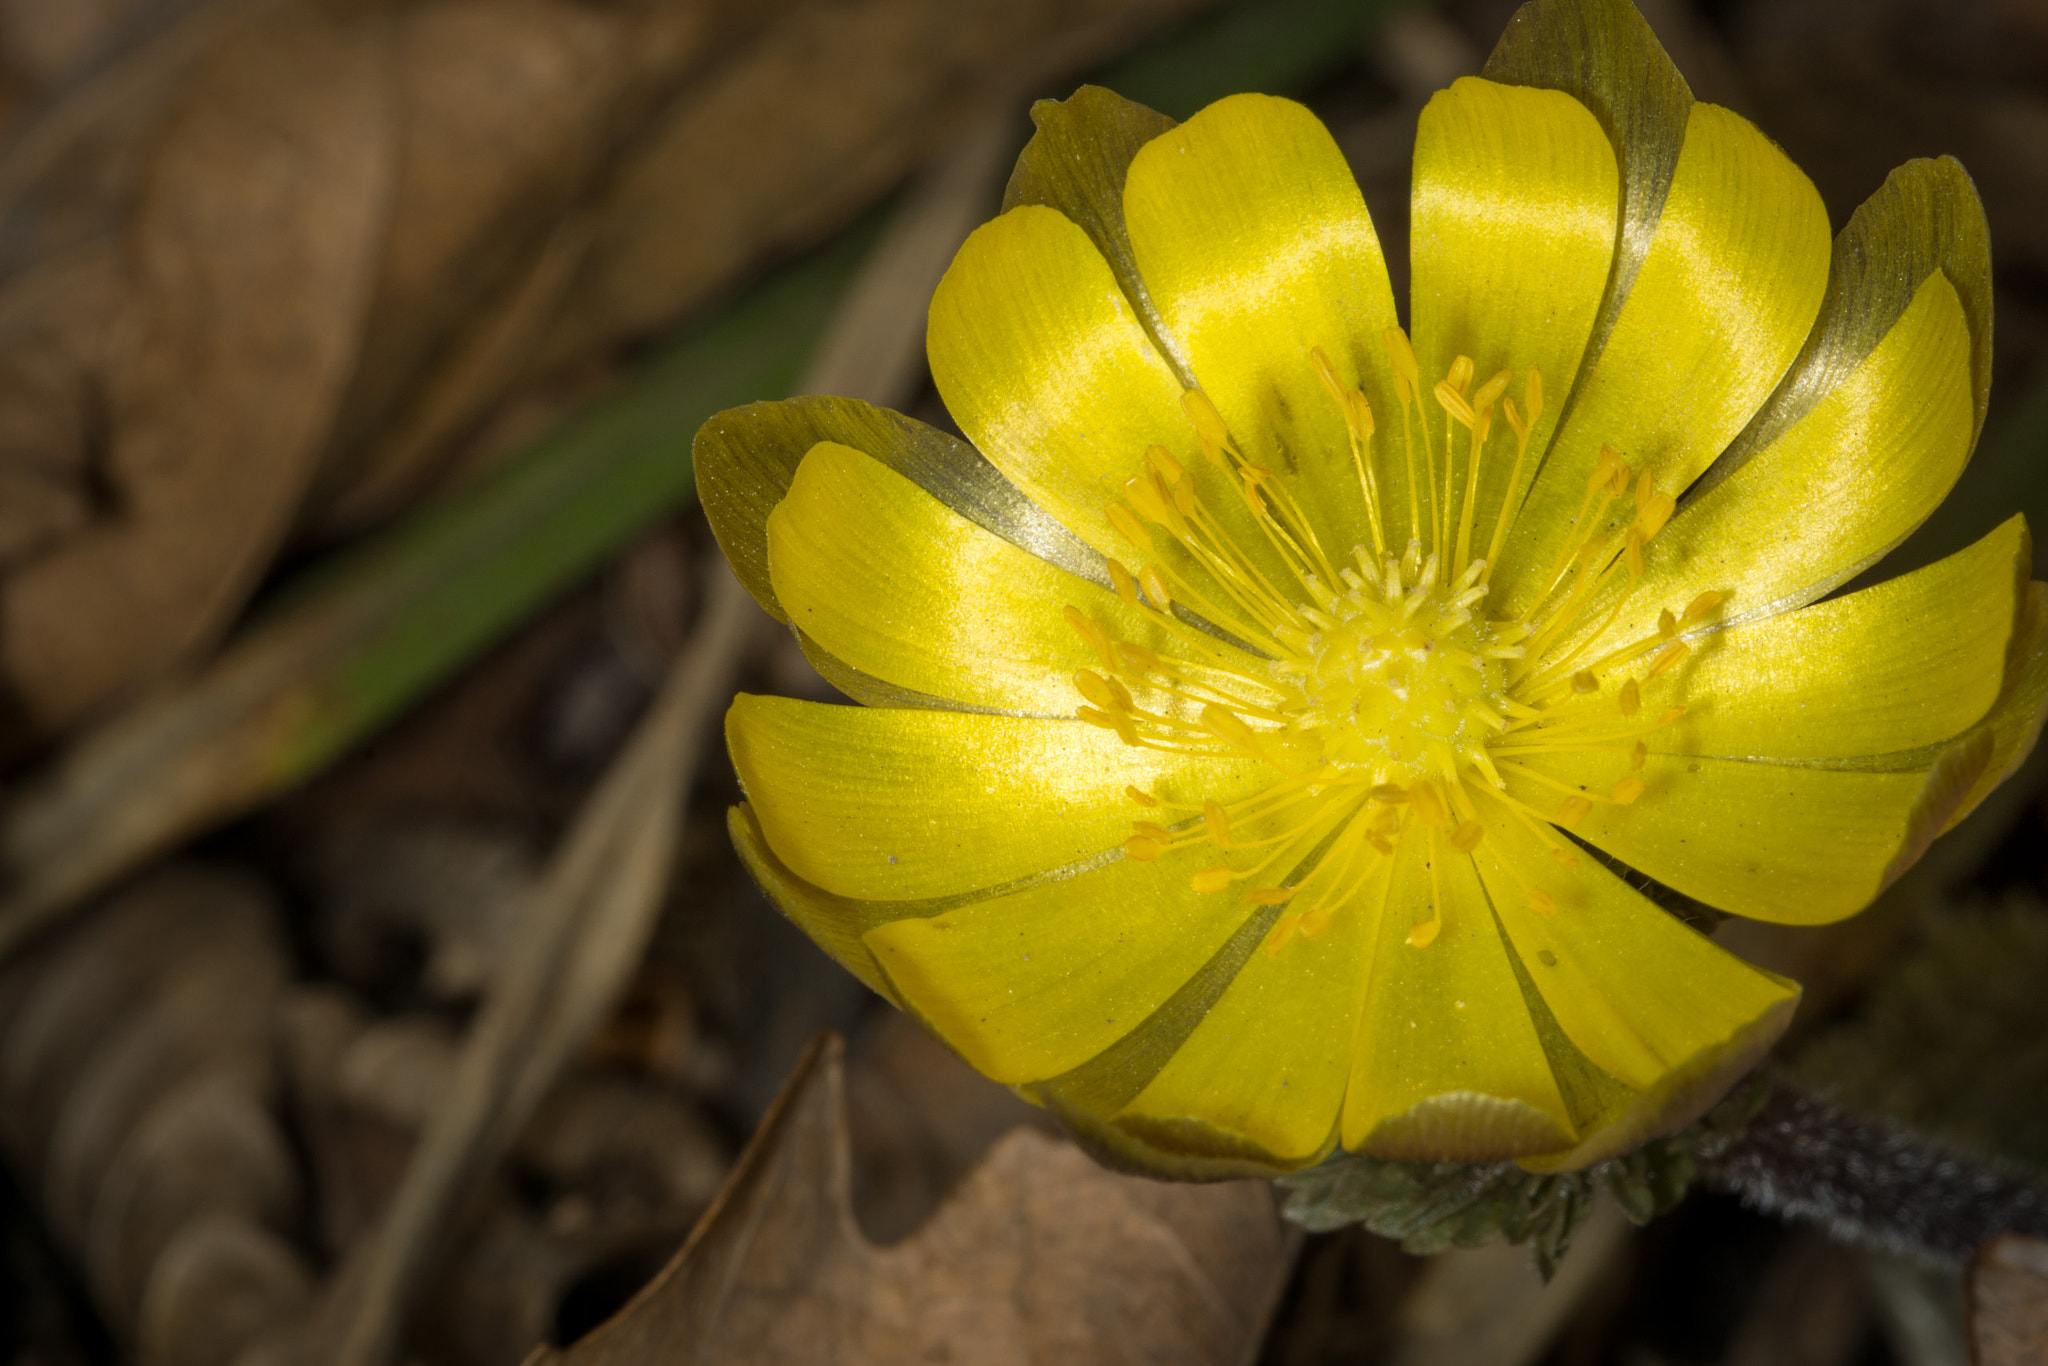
[
  {"x": 1358, "y": 413},
  {"x": 1429, "y": 807},
  {"x": 1532, "y": 395},
  {"x": 1585, "y": 681},
  {"x": 1460, "y": 374},
  {"x": 1631, "y": 699},
  {"x": 1227, "y": 726},
  {"x": 1164, "y": 465},
  {"x": 1514, "y": 417},
  {"x": 1490, "y": 391},
  {"x": 1126, "y": 586},
  {"x": 1095, "y": 688},
  {"x": 1453, "y": 402},
  {"x": 1390, "y": 793},
  {"x": 1653, "y": 514},
  {"x": 1155, "y": 587},
  {"x": 1639, "y": 755},
  {"x": 1327, "y": 373},
  {"x": 1140, "y": 796},
  {"x": 1542, "y": 902},
  {"x": 1628, "y": 789},
  {"x": 1212, "y": 879},
  {"x": 1699, "y": 608},
  {"x": 1217, "y": 823},
  {"x": 1153, "y": 831},
  {"x": 1421, "y": 936},
  {"x": 1141, "y": 850},
  {"x": 1467, "y": 835},
  {"x": 1208, "y": 424},
  {"x": 1283, "y": 930},
  {"x": 1128, "y": 526},
  {"x": 1669, "y": 658},
  {"x": 1667, "y": 625},
  {"x": 1269, "y": 896},
  {"x": 1573, "y": 811},
  {"x": 1146, "y": 496},
  {"x": 1401, "y": 358}
]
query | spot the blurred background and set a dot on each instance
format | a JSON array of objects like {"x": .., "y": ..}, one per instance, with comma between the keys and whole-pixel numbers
[{"x": 379, "y": 981}]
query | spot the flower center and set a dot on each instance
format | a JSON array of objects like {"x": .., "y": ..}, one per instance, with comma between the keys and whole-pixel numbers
[
  {"x": 1404, "y": 685},
  {"x": 1388, "y": 706}
]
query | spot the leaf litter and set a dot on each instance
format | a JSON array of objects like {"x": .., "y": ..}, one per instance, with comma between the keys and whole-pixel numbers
[{"x": 210, "y": 357}]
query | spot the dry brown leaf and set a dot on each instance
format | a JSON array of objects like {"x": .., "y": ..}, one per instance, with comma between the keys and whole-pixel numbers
[
  {"x": 582, "y": 929},
  {"x": 226, "y": 295},
  {"x": 1039, "y": 1257},
  {"x": 510, "y": 113},
  {"x": 816, "y": 118},
  {"x": 2007, "y": 1303},
  {"x": 277, "y": 264},
  {"x": 135, "y": 1072}
]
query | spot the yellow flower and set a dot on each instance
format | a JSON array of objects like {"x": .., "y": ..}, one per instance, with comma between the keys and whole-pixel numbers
[{"x": 1261, "y": 728}]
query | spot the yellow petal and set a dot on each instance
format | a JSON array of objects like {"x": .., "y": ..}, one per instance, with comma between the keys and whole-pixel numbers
[
  {"x": 1867, "y": 433},
  {"x": 1267, "y": 1066},
  {"x": 904, "y": 804},
  {"x": 1907, "y": 663},
  {"x": 1255, "y": 245},
  {"x": 1798, "y": 845},
  {"x": 1029, "y": 985},
  {"x": 1448, "y": 1065},
  {"x": 1079, "y": 154},
  {"x": 899, "y": 587},
  {"x": 1730, "y": 284},
  {"x": 834, "y": 923},
  {"x": 2014, "y": 723},
  {"x": 1042, "y": 362},
  {"x": 1512, "y": 232},
  {"x": 1636, "y": 991},
  {"x": 747, "y": 457}
]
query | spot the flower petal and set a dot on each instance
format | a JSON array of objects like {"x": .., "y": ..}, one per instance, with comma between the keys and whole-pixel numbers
[
  {"x": 1906, "y": 663},
  {"x": 901, "y": 588},
  {"x": 1511, "y": 235},
  {"x": 1448, "y": 1065},
  {"x": 1042, "y": 362},
  {"x": 747, "y": 457},
  {"x": 1076, "y": 162},
  {"x": 1255, "y": 245},
  {"x": 2014, "y": 723},
  {"x": 834, "y": 923},
  {"x": 904, "y": 804},
  {"x": 1267, "y": 1066},
  {"x": 1868, "y": 430},
  {"x": 1604, "y": 55},
  {"x": 1029, "y": 985},
  {"x": 1798, "y": 845},
  {"x": 1725, "y": 296},
  {"x": 1636, "y": 991}
]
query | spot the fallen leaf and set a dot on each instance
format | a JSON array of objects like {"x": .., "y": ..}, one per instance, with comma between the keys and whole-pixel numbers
[
  {"x": 1040, "y": 1256},
  {"x": 245, "y": 233},
  {"x": 2007, "y": 1302}
]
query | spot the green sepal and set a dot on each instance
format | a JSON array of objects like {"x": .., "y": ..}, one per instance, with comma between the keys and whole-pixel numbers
[
  {"x": 1926, "y": 217},
  {"x": 746, "y": 457},
  {"x": 1433, "y": 1206},
  {"x": 1076, "y": 162}
]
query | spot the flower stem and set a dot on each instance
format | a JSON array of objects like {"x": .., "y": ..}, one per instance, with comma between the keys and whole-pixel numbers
[{"x": 1867, "y": 1182}]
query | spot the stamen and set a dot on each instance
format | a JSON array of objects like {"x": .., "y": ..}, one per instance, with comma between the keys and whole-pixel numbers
[{"x": 1380, "y": 692}]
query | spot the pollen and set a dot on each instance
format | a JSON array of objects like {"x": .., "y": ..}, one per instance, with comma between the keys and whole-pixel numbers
[{"x": 1395, "y": 703}]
